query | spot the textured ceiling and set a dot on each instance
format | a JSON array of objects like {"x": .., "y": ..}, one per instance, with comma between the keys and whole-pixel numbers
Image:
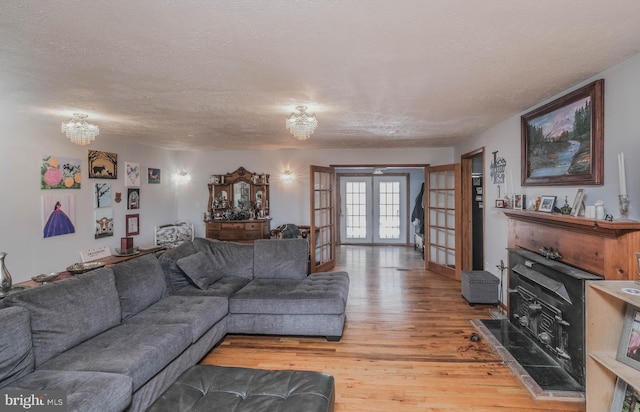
[{"x": 212, "y": 75}]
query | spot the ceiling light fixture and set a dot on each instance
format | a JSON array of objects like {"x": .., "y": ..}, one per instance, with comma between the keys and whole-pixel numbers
[
  {"x": 79, "y": 131},
  {"x": 302, "y": 124}
]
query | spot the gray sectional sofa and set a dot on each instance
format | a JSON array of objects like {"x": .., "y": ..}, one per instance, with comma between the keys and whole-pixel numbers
[{"x": 115, "y": 338}]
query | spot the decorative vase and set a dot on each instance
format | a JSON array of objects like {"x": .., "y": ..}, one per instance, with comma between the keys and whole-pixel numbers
[{"x": 5, "y": 276}]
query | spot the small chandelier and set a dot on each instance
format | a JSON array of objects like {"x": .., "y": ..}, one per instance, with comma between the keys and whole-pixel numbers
[
  {"x": 79, "y": 131},
  {"x": 301, "y": 124}
]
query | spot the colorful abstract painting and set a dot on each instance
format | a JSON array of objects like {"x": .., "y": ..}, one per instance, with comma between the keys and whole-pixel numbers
[{"x": 60, "y": 173}]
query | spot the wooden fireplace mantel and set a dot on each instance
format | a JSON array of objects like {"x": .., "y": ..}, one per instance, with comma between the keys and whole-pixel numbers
[{"x": 604, "y": 248}]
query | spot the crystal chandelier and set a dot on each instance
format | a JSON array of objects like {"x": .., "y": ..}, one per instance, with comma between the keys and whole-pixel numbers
[
  {"x": 301, "y": 124},
  {"x": 79, "y": 131}
]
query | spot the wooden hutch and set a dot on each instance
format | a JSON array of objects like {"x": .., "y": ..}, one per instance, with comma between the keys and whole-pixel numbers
[{"x": 238, "y": 207}]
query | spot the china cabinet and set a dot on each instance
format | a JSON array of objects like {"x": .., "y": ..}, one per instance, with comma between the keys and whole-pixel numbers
[{"x": 238, "y": 206}]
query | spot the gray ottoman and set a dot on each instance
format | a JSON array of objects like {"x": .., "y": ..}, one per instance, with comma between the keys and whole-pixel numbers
[
  {"x": 216, "y": 388},
  {"x": 479, "y": 286}
]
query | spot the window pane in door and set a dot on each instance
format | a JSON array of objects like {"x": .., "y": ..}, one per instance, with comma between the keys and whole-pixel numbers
[
  {"x": 389, "y": 207},
  {"x": 356, "y": 222}
]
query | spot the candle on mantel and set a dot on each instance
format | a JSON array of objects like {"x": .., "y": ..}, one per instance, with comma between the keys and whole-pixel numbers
[{"x": 621, "y": 175}]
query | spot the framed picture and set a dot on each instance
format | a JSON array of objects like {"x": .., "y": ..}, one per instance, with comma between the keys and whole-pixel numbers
[
  {"x": 60, "y": 173},
  {"x": 563, "y": 141},
  {"x": 547, "y": 203},
  {"x": 103, "y": 222},
  {"x": 577, "y": 203},
  {"x": 133, "y": 198},
  {"x": 500, "y": 203},
  {"x": 133, "y": 224},
  {"x": 629, "y": 345},
  {"x": 103, "y": 165},
  {"x": 58, "y": 215},
  {"x": 518, "y": 201},
  {"x": 102, "y": 195},
  {"x": 625, "y": 398},
  {"x": 132, "y": 174},
  {"x": 153, "y": 175}
]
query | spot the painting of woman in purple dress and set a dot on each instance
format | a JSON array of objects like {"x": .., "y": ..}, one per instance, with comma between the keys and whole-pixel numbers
[{"x": 58, "y": 222}]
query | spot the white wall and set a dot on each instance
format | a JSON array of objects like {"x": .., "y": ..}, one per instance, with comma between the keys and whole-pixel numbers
[
  {"x": 621, "y": 134},
  {"x": 289, "y": 203},
  {"x": 25, "y": 139}
]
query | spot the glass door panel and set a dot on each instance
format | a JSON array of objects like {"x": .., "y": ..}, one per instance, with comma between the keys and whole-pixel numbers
[{"x": 443, "y": 220}]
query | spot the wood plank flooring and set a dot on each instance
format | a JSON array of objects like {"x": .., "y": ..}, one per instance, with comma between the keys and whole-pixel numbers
[{"x": 406, "y": 344}]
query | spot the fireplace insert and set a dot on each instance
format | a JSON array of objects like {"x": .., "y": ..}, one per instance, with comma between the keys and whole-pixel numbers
[{"x": 547, "y": 303}]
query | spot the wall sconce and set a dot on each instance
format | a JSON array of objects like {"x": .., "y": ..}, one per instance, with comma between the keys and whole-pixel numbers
[
  {"x": 287, "y": 177},
  {"x": 181, "y": 177}
]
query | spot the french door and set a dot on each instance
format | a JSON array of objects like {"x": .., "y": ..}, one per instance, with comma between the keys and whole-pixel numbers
[
  {"x": 443, "y": 220},
  {"x": 322, "y": 235},
  {"x": 373, "y": 209}
]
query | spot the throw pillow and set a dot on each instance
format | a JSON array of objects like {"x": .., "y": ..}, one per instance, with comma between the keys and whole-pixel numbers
[{"x": 199, "y": 270}]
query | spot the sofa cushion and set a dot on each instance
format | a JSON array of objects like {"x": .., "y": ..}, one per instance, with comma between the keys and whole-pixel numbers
[
  {"x": 70, "y": 311},
  {"x": 140, "y": 283},
  {"x": 228, "y": 258},
  {"x": 281, "y": 259},
  {"x": 199, "y": 269},
  {"x": 320, "y": 293},
  {"x": 86, "y": 391},
  {"x": 225, "y": 287},
  {"x": 139, "y": 351},
  {"x": 199, "y": 312},
  {"x": 16, "y": 352},
  {"x": 174, "y": 276}
]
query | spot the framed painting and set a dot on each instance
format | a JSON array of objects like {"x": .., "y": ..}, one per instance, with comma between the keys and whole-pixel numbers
[
  {"x": 60, "y": 173},
  {"x": 133, "y": 198},
  {"x": 102, "y": 195},
  {"x": 153, "y": 175},
  {"x": 563, "y": 141},
  {"x": 103, "y": 223},
  {"x": 58, "y": 215},
  {"x": 133, "y": 225},
  {"x": 132, "y": 174},
  {"x": 103, "y": 165}
]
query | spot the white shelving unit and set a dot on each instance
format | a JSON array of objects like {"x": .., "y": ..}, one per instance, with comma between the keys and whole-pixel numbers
[{"x": 606, "y": 306}]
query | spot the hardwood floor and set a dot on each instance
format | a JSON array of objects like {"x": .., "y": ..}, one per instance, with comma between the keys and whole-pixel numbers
[{"x": 406, "y": 344}]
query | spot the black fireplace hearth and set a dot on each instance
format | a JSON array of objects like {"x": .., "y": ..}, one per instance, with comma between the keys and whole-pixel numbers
[{"x": 544, "y": 334}]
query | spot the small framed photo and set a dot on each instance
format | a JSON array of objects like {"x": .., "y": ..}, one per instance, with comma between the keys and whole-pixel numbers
[
  {"x": 625, "y": 398},
  {"x": 577, "y": 203},
  {"x": 500, "y": 203},
  {"x": 518, "y": 201},
  {"x": 629, "y": 345},
  {"x": 546, "y": 204},
  {"x": 133, "y": 224}
]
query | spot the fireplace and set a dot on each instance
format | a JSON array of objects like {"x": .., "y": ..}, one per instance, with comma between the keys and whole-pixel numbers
[
  {"x": 542, "y": 337},
  {"x": 547, "y": 304}
]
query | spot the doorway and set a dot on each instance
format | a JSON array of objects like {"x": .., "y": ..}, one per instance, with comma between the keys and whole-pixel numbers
[
  {"x": 373, "y": 208},
  {"x": 473, "y": 210}
]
